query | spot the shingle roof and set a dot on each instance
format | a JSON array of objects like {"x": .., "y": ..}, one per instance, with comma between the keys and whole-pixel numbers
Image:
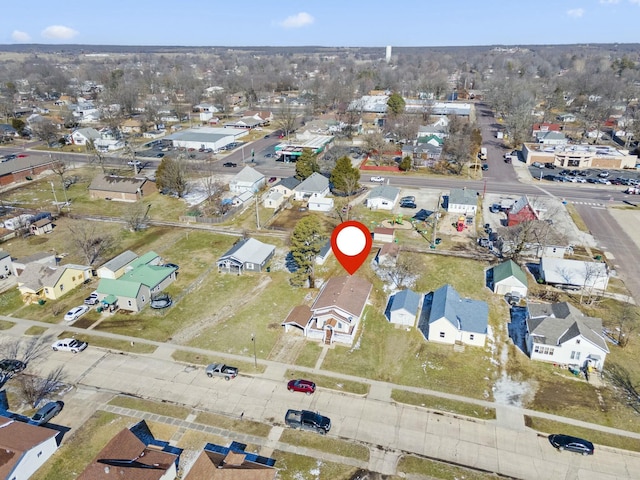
[
  {"x": 463, "y": 313},
  {"x": 16, "y": 438},
  {"x": 314, "y": 184},
  {"x": 463, "y": 196},
  {"x": 289, "y": 182},
  {"x": 405, "y": 300},
  {"x": 116, "y": 263},
  {"x": 4, "y": 254},
  {"x": 115, "y": 183},
  {"x": 556, "y": 331},
  {"x": 249, "y": 250},
  {"x": 348, "y": 293},
  {"x": 384, "y": 191},
  {"x": 509, "y": 269},
  {"x": 248, "y": 175}
]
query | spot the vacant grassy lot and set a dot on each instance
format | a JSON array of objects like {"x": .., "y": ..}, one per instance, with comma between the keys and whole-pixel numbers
[
  {"x": 111, "y": 343},
  {"x": 331, "y": 383},
  {"x": 324, "y": 444},
  {"x": 298, "y": 467},
  {"x": 410, "y": 464},
  {"x": 248, "y": 427},
  {"x": 197, "y": 359},
  {"x": 443, "y": 404},
  {"x": 150, "y": 406},
  {"x": 10, "y": 302},
  {"x": 595, "y": 436}
]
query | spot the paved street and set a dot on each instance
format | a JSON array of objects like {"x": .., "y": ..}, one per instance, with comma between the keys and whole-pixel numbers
[{"x": 389, "y": 429}]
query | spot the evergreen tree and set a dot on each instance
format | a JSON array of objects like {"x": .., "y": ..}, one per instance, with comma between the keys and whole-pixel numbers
[
  {"x": 395, "y": 104},
  {"x": 306, "y": 164},
  {"x": 307, "y": 239},
  {"x": 345, "y": 176},
  {"x": 405, "y": 163}
]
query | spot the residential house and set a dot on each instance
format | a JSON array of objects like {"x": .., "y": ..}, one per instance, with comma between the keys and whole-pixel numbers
[
  {"x": 123, "y": 189},
  {"x": 553, "y": 138},
  {"x": 83, "y": 136},
  {"x": 134, "y": 453},
  {"x": 560, "y": 333},
  {"x": 463, "y": 200},
  {"x": 247, "y": 180},
  {"x": 403, "y": 308},
  {"x": 508, "y": 277},
  {"x": 383, "y": 197},
  {"x": 383, "y": 235},
  {"x": 387, "y": 254},
  {"x": 313, "y": 187},
  {"x": 263, "y": 115},
  {"x": 574, "y": 274},
  {"x": 439, "y": 128},
  {"x": 115, "y": 267},
  {"x": 135, "y": 288},
  {"x": 335, "y": 315},
  {"x": 242, "y": 198},
  {"x": 135, "y": 125},
  {"x": 246, "y": 123},
  {"x": 44, "y": 258},
  {"x": 539, "y": 129},
  {"x": 280, "y": 192},
  {"x": 41, "y": 227},
  {"x": 24, "y": 168},
  {"x": 424, "y": 154},
  {"x": 273, "y": 199},
  {"x": 246, "y": 254},
  {"x": 6, "y": 265},
  {"x": 566, "y": 118},
  {"x": 216, "y": 462},
  {"x": 521, "y": 211},
  {"x": 448, "y": 318},
  {"x": 38, "y": 281},
  {"x": 25, "y": 448}
]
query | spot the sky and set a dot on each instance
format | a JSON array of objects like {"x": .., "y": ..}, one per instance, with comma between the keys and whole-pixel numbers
[{"x": 335, "y": 23}]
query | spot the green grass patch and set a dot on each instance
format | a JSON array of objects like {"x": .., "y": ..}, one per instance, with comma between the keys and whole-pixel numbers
[
  {"x": 298, "y": 467},
  {"x": 577, "y": 219},
  {"x": 199, "y": 359},
  {"x": 10, "y": 301},
  {"x": 142, "y": 405},
  {"x": 443, "y": 404},
  {"x": 82, "y": 446},
  {"x": 112, "y": 343},
  {"x": 35, "y": 331},
  {"x": 412, "y": 465},
  {"x": 309, "y": 355},
  {"x": 331, "y": 383},
  {"x": 248, "y": 427},
  {"x": 595, "y": 436},
  {"x": 6, "y": 325},
  {"x": 324, "y": 444}
]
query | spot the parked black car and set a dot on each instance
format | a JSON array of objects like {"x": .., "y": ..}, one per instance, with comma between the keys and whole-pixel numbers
[
  {"x": 408, "y": 205},
  {"x": 10, "y": 365},
  {"x": 229, "y": 164},
  {"x": 573, "y": 444},
  {"x": 549, "y": 165}
]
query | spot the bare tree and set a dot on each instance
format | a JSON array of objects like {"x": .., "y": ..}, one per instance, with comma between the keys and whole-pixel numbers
[
  {"x": 136, "y": 216},
  {"x": 621, "y": 378},
  {"x": 96, "y": 155},
  {"x": 89, "y": 241},
  {"x": 400, "y": 270},
  {"x": 626, "y": 324},
  {"x": 373, "y": 143},
  {"x": 593, "y": 275},
  {"x": 34, "y": 389},
  {"x": 287, "y": 119}
]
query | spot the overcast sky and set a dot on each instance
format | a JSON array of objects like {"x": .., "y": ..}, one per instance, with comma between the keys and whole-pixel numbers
[{"x": 320, "y": 22}]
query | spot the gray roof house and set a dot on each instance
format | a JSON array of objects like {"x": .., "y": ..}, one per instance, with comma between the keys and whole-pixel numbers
[
  {"x": 115, "y": 267},
  {"x": 463, "y": 200},
  {"x": 383, "y": 197},
  {"x": 553, "y": 138},
  {"x": 560, "y": 333},
  {"x": 403, "y": 307},
  {"x": 247, "y": 254},
  {"x": 247, "y": 180},
  {"x": 448, "y": 318},
  {"x": 508, "y": 277},
  {"x": 315, "y": 186}
]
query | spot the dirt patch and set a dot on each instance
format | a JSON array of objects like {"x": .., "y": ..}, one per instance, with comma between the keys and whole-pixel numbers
[{"x": 287, "y": 349}]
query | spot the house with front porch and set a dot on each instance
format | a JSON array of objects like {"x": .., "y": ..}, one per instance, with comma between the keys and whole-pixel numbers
[
  {"x": 560, "y": 333},
  {"x": 314, "y": 186},
  {"x": 48, "y": 280},
  {"x": 83, "y": 136},
  {"x": 247, "y": 180},
  {"x": 246, "y": 254},
  {"x": 335, "y": 315}
]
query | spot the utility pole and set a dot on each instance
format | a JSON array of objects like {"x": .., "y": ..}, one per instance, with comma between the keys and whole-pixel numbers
[
  {"x": 255, "y": 358},
  {"x": 55, "y": 199},
  {"x": 435, "y": 222},
  {"x": 257, "y": 215}
]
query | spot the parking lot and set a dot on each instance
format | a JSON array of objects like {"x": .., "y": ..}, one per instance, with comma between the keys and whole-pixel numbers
[{"x": 594, "y": 176}]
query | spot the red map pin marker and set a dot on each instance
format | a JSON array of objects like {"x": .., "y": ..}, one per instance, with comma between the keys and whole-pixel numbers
[{"x": 351, "y": 243}]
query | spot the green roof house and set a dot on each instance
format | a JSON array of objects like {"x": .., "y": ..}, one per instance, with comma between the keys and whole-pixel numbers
[{"x": 508, "y": 277}]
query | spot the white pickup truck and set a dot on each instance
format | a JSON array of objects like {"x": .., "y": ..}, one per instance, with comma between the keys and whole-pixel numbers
[{"x": 377, "y": 179}]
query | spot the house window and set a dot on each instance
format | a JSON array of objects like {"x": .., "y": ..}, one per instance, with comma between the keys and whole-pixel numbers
[
  {"x": 536, "y": 349},
  {"x": 39, "y": 453},
  {"x": 575, "y": 355},
  {"x": 129, "y": 302},
  {"x": 471, "y": 336},
  {"x": 577, "y": 341},
  {"x": 46, "y": 291},
  {"x": 61, "y": 287},
  {"x": 441, "y": 334},
  {"x": 143, "y": 298}
]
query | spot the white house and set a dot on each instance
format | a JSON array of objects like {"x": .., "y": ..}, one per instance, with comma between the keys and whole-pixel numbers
[
  {"x": 6, "y": 265},
  {"x": 463, "y": 200},
  {"x": 280, "y": 192},
  {"x": 83, "y": 136},
  {"x": 273, "y": 199},
  {"x": 248, "y": 254},
  {"x": 335, "y": 315},
  {"x": 247, "y": 180},
  {"x": 315, "y": 186},
  {"x": 383, "y": 197},
  {"x": 508, "y": 277},
  {"x": 25, "y": 448},
  {"x": 574, "y": 274},
  {"x": 560, "y": 333},
  {"x": 448, "y": 318},
  {"x": 403, "y": 308}
]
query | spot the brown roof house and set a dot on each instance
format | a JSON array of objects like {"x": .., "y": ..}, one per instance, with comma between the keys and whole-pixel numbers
[
  {"x": 231, "y": 463},
  {"x": 336, "y": 312},
  {"x": 124, "y": 189},
  {"x": 24, "y": 448},
  {"x": 134, "y": 453}
]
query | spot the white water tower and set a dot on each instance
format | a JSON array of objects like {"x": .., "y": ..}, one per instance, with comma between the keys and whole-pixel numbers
[{"x": 387, "y": 56}]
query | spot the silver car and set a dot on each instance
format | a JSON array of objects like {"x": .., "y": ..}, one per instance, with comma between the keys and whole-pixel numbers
[{"x": 46, "y": 413}]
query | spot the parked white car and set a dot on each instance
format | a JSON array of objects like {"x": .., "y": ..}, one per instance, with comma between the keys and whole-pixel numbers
[
  {"x": 69, "y": 345},
  {"x": 76, "y": 313},
  {"x": 377, "y": 179}
]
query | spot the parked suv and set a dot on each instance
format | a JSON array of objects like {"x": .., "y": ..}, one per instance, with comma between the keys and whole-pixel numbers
[{"x": 46, "y": 413}]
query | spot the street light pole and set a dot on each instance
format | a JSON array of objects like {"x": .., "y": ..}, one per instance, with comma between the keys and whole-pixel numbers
[
  {"x": 255, "y": 358},
  {"x": 55, "y": 199}
]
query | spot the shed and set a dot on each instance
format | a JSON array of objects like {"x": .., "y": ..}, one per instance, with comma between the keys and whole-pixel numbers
[
  {"x": 403, "y": 308},
  {"x": 383, "y": 235},
  {"x": 508, "y": 277}
]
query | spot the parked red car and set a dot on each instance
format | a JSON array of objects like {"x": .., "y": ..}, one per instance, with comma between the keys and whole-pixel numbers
[
  {"x": 305, "y": 386},
  {"x": 22, "y": 155}
]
